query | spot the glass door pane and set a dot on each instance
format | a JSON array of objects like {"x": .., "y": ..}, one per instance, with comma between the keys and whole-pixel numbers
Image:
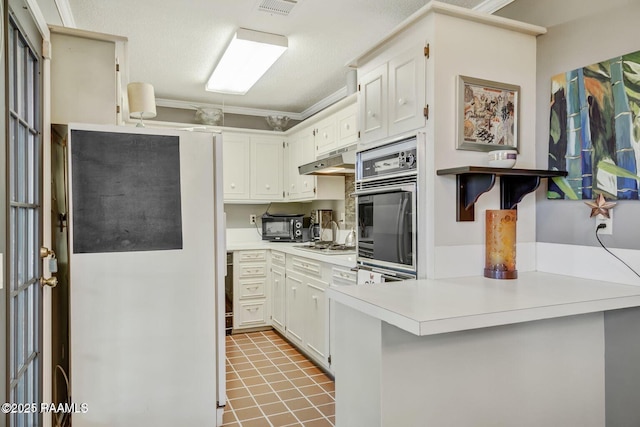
[{"x": 25, "y": 216}]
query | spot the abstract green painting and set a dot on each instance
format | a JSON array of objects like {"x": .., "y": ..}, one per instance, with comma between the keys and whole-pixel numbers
[{"x": 594, "y": 130}]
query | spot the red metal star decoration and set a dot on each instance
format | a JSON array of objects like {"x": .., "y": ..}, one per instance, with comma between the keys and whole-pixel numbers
[{"x": 600, "y": 206}]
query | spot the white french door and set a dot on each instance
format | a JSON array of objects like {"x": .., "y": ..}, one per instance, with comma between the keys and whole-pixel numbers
[{"x": 24, "y": 297}]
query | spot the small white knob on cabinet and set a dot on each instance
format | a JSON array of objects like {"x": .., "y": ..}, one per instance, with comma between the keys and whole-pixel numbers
[
  {"x": 233, "y": 185},
  {"x": 371, "y": 113},
  {"x": 267, "y": 186},
  {"x": 326, "y": 135},
  {"x": 346, "y": 126},
  {"x": 402, "y": 101}
]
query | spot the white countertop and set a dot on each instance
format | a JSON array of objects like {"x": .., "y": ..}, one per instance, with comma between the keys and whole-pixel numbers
[
  {"x": 428, "y": 307},
  {"x": 343, "y": 260}
]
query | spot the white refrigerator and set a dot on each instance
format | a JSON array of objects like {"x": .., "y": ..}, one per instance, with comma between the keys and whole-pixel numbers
[{"x": 147, "y": 267}]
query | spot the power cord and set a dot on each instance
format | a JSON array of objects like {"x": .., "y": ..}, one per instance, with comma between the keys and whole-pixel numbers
[
  {"x": 601, "y": 227},
  {"x": 257, "y": 229}
]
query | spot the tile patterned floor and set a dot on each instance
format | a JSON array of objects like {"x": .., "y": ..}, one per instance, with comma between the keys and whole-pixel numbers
[{"x": 270, "y": 384}]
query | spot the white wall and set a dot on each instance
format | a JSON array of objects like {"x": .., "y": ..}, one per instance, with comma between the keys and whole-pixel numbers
[
  {"x": 589, "y": 31},
  {"x": 486, "y": 52}
]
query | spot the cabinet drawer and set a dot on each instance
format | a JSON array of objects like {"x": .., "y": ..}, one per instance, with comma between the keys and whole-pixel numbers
[
  {"x": 277, "y": 257},
  {"x": 257, "y": 270},
  {"x": 343, "y": 276},
  {"x": 306, "y": 266},
  {"x": 250, "y": 256},
  {"x": 251, "y": 314},
  {"x": 252, "y": 288}
]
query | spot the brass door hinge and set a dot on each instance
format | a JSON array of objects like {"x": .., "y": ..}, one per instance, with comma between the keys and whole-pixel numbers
[
  {"x": 426, "y": 112},
  {"x": 359, "y": 88},
  {"x": 117, "y": 68},
  {"x": 426, "y": 50},
  {"x": 117, "y": 109}
]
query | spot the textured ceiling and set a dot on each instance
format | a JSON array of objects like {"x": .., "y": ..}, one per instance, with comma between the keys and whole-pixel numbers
[{"x": 175, "y": 45}]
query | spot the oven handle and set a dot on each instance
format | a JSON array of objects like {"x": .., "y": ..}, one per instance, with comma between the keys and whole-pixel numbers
[
  {"x": 402, "y": 225},
  {"x": 386, "y": 274},
  {"x": 382, "y": 190}
]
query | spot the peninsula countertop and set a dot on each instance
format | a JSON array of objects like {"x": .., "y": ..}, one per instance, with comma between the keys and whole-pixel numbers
[{"x": 429, "y": 307}]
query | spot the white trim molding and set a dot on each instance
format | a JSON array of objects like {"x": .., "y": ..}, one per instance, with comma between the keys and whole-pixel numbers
[
  {"x": 246, "y": 111},
  {"x": 66, "y": 15},
  {"x": 491, "y": 6},
  {"x": 39, "y": 19}
]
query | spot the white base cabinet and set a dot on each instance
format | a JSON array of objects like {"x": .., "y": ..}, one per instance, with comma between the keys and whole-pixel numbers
[
  {"x": 278, "y": 292},
  {"x": 307, "y": 320},
  {"x": 250, "y": 289}
]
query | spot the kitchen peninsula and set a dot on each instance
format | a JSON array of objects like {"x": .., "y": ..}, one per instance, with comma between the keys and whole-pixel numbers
[{"x": 543, "y": 349}]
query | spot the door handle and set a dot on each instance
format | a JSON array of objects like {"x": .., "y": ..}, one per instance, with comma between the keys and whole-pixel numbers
[{"x": 51, "y": 282}]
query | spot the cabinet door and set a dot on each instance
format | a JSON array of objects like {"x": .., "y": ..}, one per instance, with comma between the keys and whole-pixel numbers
[
  {"x": 278, "y": 295},
  {"x": 84, "y": 86},
  {"x": 373, "y": 105},
  {"x": 307, "y": 183},
  {"x": 294, "y": 159},
  {"x": 236, "y": 152},
  {"x": 295, "y": 307},
  {"x": 326, "y": 136},
  {"x": 267, "y": 158},
  {"x": 347, "y": 126},
  {"x": 317, "y": 318},
  {"x": 407, "y": 91}
]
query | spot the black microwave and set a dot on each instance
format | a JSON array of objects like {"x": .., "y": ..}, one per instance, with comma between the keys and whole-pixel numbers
[{"x": 282, "y": 227}]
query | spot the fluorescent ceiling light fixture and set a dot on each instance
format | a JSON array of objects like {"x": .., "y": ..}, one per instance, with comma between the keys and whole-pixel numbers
[{"x": 249, "y": 55}]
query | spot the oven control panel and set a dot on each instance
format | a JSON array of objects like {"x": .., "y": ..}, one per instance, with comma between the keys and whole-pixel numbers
[{"x": 396, "y": 158}]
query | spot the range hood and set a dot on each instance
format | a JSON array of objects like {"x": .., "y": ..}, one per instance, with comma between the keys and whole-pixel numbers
[{"x": 338, "y": 162}]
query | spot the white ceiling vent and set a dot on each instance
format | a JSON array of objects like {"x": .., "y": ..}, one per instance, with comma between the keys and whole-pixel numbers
[{"x": 281, "y": 7}]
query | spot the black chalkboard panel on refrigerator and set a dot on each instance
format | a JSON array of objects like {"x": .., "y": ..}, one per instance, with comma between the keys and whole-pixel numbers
[{"x": 125, "y": 190}]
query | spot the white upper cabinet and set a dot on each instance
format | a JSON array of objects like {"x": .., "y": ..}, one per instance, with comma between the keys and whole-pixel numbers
[
  {"x": 236, "y": 173},
  {"x": 373, "y": 105},
  {"x": 338, "y": 130},
  {"x": 267, "y": 158},
  {"x": 347, "y": 126},
  {"x": 301, "y": 150},
  {"x": 86, "y": 77},
  {"x": 252, "y": 167},
  {"x": 392, "y": 96},
  {"x": 407, "y": 82},
  {"x": 325, "y": 137}
]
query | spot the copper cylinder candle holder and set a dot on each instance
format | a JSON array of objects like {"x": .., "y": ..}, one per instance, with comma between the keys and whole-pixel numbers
[{"x": 500, "y": 244}]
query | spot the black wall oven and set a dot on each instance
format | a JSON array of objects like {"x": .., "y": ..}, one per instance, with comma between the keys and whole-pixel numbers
[{"x": 386, "y": 200}]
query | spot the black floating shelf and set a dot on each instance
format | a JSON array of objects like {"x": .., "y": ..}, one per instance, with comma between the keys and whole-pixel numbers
[{"x": 473, "y": 181}]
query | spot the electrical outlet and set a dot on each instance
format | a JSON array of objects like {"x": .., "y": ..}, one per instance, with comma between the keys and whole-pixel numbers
[
  {"x": 252, "y": 219},
  {"x": 601, "y": 219}
]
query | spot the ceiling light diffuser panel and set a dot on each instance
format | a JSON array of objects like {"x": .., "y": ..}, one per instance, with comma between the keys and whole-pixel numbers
[{"x": 249, "y": 55}]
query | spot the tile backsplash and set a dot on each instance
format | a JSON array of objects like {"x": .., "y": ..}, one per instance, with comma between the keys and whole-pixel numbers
[{"x": 349, "y": 202}]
